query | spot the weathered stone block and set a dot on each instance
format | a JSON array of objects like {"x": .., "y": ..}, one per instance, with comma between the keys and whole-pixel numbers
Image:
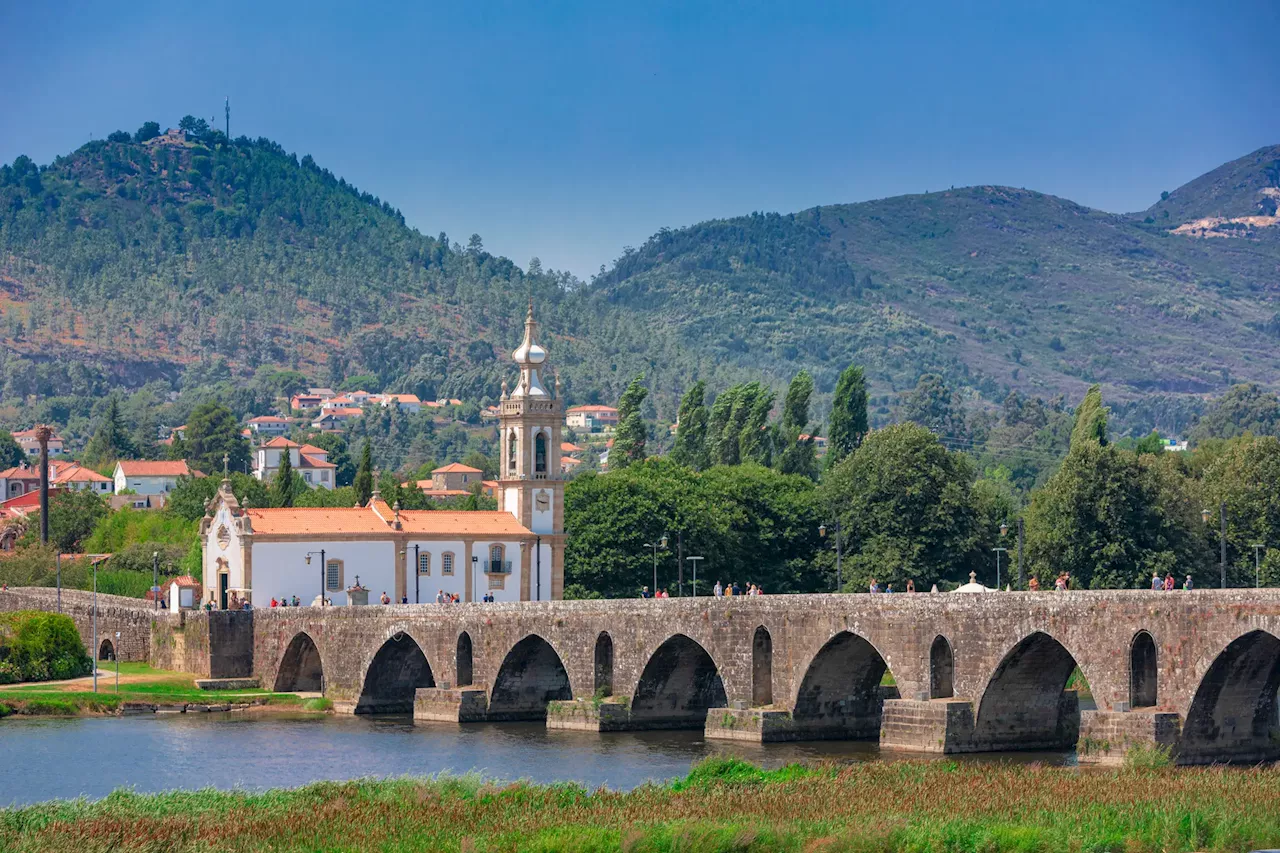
[
  {"x": 451, "y": 704},
  {"x": 757, "y": 725},
  {"x": 1106, "y": 737},
  {"x": 933, "y": 725},
  {"x": 587, "y": 715}
]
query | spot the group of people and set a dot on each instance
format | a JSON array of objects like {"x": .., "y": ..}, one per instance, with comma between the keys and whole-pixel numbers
[
  {"x": 720, "y": 590},
  {"x": 874, "y": 586},
  {"x": 1169, "y": 584},
  {"x": 284, "y": 601}
]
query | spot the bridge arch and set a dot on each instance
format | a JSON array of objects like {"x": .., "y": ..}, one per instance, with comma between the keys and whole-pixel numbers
[
  {"x": 1026, "y": 704},
  {"x": 1143, "y": 672},
  {"x": 106, "y": 651},
  {"x": 761, "y": 667},
  {"x": 679, "y": 683},
  {"x": 463, "y": 661},
  {"x": 603, "y": 682},
  {"x": 942, "y": 669},
  {"x": 531, "y": 675},
  {"x": 301, "y": 669},
  {"x": 398, "y": 668},
  {"x": 1233, "y": 716},
  {"x": 840, "y": 696}
]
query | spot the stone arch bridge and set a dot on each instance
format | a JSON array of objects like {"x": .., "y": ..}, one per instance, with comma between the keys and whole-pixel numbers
[{"x": 1197, "y": 672}]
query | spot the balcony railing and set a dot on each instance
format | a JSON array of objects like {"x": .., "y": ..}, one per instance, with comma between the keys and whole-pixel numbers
[{"x": 498, "y": 567}]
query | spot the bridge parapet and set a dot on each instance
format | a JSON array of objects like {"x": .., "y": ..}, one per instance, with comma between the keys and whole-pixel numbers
[{"x": 130, "y": 617}]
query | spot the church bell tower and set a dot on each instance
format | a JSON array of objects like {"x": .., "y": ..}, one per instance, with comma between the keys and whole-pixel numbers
[{"x": 531, "y": 419}]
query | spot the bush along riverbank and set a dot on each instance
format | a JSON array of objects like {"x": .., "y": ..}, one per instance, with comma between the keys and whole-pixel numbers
[
  {"x": 722, "y": 805},
  {"x": 38, "y": 646}
]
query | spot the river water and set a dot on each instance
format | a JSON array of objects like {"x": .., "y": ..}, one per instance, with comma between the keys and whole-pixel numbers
[{"x": 47, "y": 758}]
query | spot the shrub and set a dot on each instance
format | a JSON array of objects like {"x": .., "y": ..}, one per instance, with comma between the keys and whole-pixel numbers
[{"x": 37, "y": 646}]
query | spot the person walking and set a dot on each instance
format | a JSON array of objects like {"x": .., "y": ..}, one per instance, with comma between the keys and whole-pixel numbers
[
  {"x": 1156, "y": 582},
  {"x": 911, "y": 585},
  {"x": 1033, "y": 585},
  {"x": 296, "y": 601},
  {"x": 1169, "y": 582},
  {"x": 384, "y": 598},
  {"x": 1187, "y": 585},
  {"x": 873, "y": 587},
  {"x": 719, "y": 590},
  {"x": 644, "y": 592}
]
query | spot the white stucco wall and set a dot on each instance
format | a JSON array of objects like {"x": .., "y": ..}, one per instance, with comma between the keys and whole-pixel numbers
[
  {"x": 214, "y": 550},
  {"x": 280, "y": 569},
  {"x": 145, "y": 485}
]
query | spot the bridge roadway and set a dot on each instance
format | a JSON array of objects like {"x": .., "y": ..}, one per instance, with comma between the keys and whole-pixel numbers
[{"x": 1197, "y": 672}]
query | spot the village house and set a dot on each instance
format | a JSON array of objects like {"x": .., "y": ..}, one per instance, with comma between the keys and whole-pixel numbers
[
  {"x": 333, "y": 419},
  {"x": 407, "y": 403},
  {"x": 149, "y": 478},
  {"x": 306, "y": 401},
  {"x": 516, "y": 552},
  {"x": 591, "y": 418},
  {"x": 31, "y": 445},
  {"x": 62, "y": 474},
  {"x": 311, "y": 462},
  {"x": 270, "y": 425}
]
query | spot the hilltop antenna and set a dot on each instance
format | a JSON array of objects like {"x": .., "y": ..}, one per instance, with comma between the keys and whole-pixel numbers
[{"x": 227, "y": 107}]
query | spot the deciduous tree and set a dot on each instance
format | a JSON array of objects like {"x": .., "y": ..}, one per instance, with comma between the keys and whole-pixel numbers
[{"x": 848, "y": 415}]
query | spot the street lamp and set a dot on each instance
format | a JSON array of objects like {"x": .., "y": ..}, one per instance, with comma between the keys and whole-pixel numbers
[
  {"x": 155, "y": 578},
  {"x": 694, "y": 561},
  {"x": 660, "y": 543},
  {"x": 1257, "y": 564},
  {"x": 822, "y": 531},
  {"x": 322, "y": 568},
  {"x": 417, "y": 597},
  {"x": 1222, "y": 538},
  {"x": 94, "y": 564}
]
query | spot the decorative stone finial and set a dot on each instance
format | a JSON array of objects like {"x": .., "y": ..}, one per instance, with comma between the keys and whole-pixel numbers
[{"x": 973, "y": 577}]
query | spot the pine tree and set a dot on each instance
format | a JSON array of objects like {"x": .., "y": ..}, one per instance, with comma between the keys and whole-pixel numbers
[
  {"x": 363, "y": 483},
  {"x": 1091, "y": 419},
  {"x": 282, "y": 487},
  {"x": 111, "y": 441},
  {"x": 691, "y": 435},
  {"x": 848, "y": 415},
  {"x": 629, "y": 438}
]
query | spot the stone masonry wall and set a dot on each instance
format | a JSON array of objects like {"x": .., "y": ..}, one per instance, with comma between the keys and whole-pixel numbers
[{"x": 130, "y": 616}]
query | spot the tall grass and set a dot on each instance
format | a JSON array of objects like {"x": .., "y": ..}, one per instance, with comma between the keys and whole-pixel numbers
[{"x": 721, "y": 805}]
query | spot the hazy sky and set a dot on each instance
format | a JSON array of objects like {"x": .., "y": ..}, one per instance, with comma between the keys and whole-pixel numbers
[{"x": 569, "y": 130}]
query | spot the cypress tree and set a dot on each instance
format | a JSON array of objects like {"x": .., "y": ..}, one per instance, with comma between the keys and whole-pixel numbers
[
  {"x": 363, "y": 483},
  {"x": 282, "y": 488},
  {"x": 1091, "y": 419},
  {"x": 629, "y": 438},
  {"x": 848, "y": 415},
  {"x": 691, "y": 437}
]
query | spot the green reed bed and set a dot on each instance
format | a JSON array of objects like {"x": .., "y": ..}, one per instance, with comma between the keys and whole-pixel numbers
[{"x": 723, "y": 804}]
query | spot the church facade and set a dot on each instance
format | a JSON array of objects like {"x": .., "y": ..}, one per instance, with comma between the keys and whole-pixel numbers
[{"x": 515, "y": 552}]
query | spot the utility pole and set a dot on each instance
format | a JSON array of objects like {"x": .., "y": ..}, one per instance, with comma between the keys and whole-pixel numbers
[
  {"x": 228, "y": 111},
  {"x": 43, "y": 434},
  {"x": 694, "y": 562},
  {"x": 95, "y": 626},
  {"x": 680, "y": 564},
  {"x": 1257, "y": 565},
  {"x": 155, "y": 577},
  {"x": 1022, "y": 576},
  {"x": 1222, "y": 540}
]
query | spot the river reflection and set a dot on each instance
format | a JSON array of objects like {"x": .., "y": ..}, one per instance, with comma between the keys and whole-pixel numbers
[{"x": 42, "y": 759}]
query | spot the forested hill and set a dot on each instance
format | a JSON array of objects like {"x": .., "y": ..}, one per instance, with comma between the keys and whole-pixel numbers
[
  {"x": 996, "y": 288},
  {"x": 134, "y": 258}
]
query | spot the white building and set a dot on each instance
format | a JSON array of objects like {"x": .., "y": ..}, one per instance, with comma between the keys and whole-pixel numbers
[
  {"x": 516, "y": 553},
  {"x": 308, "y": 460},
  {"x": 407, "y": 403},
  {"x": 31, "y": 445},
  {"x": 592, "y": 418},
  {"x": 269, "y": 425},
  {"x": 149, "y": 478}
]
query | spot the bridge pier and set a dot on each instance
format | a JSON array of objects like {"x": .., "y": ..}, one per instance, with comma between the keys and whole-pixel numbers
[
  {"x": 451, "y": 704},
  {"x": 1107, "y": 737}
]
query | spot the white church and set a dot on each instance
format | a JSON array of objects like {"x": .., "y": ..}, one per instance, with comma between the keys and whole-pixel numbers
[{"x": 516, "y": 553}]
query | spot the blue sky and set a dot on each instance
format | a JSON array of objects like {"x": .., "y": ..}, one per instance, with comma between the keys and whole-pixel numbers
[{"x": 569, "y": 130}]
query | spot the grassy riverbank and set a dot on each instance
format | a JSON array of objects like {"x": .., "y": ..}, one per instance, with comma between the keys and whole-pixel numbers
[
  {"x": 722, "y": 805},
  {"x": 139, "y": 682}
]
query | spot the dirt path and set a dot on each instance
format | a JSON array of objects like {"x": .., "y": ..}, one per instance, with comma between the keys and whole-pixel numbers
[{"x": 86, "y": 683}]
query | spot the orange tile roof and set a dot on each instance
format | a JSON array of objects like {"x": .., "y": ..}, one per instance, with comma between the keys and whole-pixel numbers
[
  {"x": 456, "y": 468},
  {"x": 267, "y": 419},
  {"x": 78, "y": 474},
  {"x": 445, "y": 493},
  {"x": 143, "y": 468},
  {"x": 31, "y": 434},
  {"x": 319, "y": 521},
  {"x": 403, "y": 398},
  {"x": 311, "y": 449},
  {"x": 308, "y": 461},
  {"x": 280, "y": 441},
  {"x": 569, "y": 447},
  {"x": 592, "y": 409}
]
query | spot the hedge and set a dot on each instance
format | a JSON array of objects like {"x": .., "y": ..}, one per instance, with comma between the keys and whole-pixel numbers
[{"x": 37, "y": 646}]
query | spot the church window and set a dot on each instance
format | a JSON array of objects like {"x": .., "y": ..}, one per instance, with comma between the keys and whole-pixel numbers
[
  {"x": 540, "y": 453},
  {"x": 333, "y": 576},
  {"x": 446, "y": 563},
  {"x": 424, "y": 563}
]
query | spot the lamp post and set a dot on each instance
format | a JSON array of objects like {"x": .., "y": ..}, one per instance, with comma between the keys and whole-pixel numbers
[
  {"x": 822, "y": 531},
  {"x": 1004, "y": 531},
  {"x": 1257, "y": 565},
  {"x": 94, "y": 564},
  {"x": 655, "y": 545},
  {"x": 58, "y": 561},
  {"x": 307, "y": 557},
  {"x": 155, "y": 578},
  {"x": 475, "y": 581},
  {"x": 694, "y": 561},
  {"x": 1222, "y": 538}
]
